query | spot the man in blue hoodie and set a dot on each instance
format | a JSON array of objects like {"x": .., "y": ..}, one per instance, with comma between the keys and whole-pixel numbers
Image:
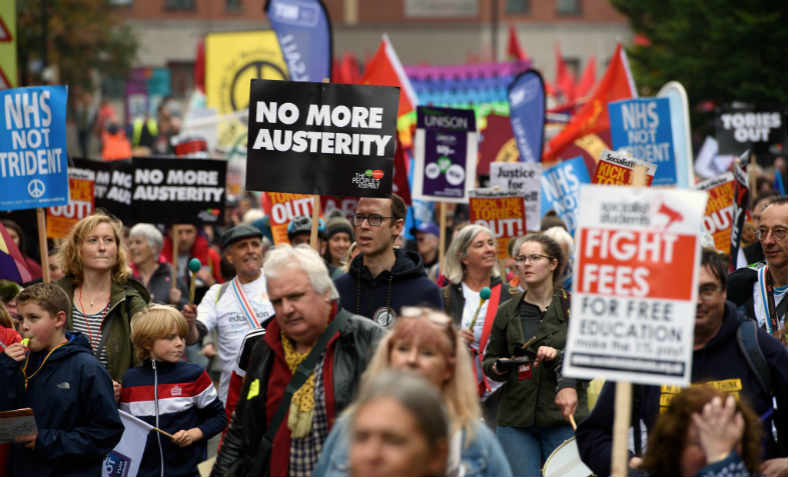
[
  {"x": 383, "y": 279},
  {"x": 717, "y": 360},
  {"x": 69, "y": 391}
]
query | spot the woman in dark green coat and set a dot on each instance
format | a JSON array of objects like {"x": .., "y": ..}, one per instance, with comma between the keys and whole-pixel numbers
[{"x": 536, "y": 400}]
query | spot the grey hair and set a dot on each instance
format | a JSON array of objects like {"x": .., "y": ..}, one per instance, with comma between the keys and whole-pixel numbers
[
  {"x": 304, "y": 258},
  {"x": 151, "y": 234},
  {"x": 453, "y": 268},
  {"x": 420, "y": 398},
  {"x": 560, "y": 235}
]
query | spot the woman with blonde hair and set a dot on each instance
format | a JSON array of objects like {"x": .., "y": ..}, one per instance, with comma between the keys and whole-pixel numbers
[
  {"x": 426, "y": 342},
  {"x": 103, "y": 295}
]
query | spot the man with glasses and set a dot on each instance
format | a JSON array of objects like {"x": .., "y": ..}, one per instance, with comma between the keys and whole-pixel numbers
[
  {"x": 382, "y": 279},
  {"x": 760, "y": 289},
  {"x": 754, "y": 253},
  {"x": 719, "y": 359}
]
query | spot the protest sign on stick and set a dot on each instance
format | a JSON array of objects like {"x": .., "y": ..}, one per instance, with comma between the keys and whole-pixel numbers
[
  {"x": 61, "y": 218},
  {"x": 560, "y": 186},
  {"x": 318, "y": 138},
  {"x": 313, "y": 238},
  {"x": 503, "y": 212},
  {"x": 762, "y": 131},
  {"x": 616, "y": 168},
  {"x": 718, "y": 219},
  {"x": 523, "y": 178},
  {"x": 281, "y": 208}
]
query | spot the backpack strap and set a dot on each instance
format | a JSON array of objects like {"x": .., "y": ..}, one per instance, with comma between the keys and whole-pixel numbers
[
  {"x": 222, "y": 289},
  {"x": 747, "y": 338}
]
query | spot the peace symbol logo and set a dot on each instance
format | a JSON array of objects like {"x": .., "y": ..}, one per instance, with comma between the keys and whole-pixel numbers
[
  {"x": 239, "y": 88},
  {"x": 36, "y": 188}
]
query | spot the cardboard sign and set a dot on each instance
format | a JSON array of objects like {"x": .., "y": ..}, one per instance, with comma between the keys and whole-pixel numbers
[
  {"x": 761, "y": 131},
  {"x": 282, "y": 208},
  {"x": 320, "y": 138},
  {"x": 560, "y": 186},
  {"x": 501, "y": 212},
  {"x": 635, "y": 285},
  {"x": 718, "y": 219},
  {"x": 81, "y": 203},
  {"x": 643, "y": 127},
  {"x": 445, "y": 147},
  {"x": 524, "y": 178},
  {"x": 168, "y": 188},
  {"x": 615, "y": 168},
  {"x": 17, "y": 423},
  {"x": 33, "y": 162}
]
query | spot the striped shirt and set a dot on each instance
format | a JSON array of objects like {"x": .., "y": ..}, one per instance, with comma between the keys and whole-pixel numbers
[{"x": 90, "y": 326}]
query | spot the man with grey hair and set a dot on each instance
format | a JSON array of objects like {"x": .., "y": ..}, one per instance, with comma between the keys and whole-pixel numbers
[{"x": 307, "y": 366}]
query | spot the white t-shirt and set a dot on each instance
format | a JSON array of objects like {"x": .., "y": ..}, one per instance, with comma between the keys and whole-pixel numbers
[{"x": 225, "y": 315}]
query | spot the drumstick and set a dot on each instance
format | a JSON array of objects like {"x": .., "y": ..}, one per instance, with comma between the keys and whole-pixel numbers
[{"x": 572, "y": 422}]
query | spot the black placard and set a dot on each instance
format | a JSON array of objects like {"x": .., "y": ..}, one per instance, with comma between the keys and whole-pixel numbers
[
  {"x": 762, "y": 131},
  {"x": 320, "y": 138},
  {"x": 114, "y": 181}
]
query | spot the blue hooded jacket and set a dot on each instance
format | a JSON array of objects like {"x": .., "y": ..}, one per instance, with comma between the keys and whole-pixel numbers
[
  {"x": 405, "y": 284},
  {"x": 74, "y": 407}
]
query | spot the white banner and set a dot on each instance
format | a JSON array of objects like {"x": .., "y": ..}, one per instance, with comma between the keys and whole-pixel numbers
[{"x": 124, "y": 460}]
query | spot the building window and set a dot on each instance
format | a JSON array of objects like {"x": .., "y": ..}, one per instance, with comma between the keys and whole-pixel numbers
[
  {"x": 518, "y": 6},
  {"x": 568, "y": 7},
  {"x": 179, "y": 4},
  {"x": 232, "y": 5}
]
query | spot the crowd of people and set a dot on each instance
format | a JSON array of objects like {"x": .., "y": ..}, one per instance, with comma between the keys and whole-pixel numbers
[{"x": 364, "y": 356}]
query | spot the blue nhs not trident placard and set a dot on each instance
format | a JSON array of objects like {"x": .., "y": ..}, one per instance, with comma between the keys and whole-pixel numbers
[
  {"x": 642, "y": 126},
  {"x": 33, "y": 160}
]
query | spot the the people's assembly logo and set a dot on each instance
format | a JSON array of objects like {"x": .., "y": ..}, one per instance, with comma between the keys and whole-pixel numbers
[{"x": 369, "y": 179}]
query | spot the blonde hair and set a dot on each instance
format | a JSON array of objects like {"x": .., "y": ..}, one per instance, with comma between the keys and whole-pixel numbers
[
  {"x": 155, "y": 322},
  {"x": 69, "y": 256},
  {"x": 459, "y": 392}
]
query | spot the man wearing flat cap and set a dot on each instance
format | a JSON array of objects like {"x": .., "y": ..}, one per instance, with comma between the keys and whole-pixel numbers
[{"x": 235, "y": 307}]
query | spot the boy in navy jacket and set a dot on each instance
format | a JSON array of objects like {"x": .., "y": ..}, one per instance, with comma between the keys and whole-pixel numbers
[
  {"x": 69, "y": 391},
  {"x": 175, "y": 396}
]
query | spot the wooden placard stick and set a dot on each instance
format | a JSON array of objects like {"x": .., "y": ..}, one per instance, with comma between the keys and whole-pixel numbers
[
  {"x": 442, "y": 239},
  {"x": 42, "y": 243},
  {"x": 314, "y": 241},
  {"x": 174, "y": 268}
]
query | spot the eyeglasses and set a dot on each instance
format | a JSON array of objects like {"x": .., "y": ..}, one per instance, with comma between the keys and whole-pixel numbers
[
  {"x": 531, "y": 258},
  {"x": 374, "y": 220},
  {"x": 779, "y": 233},
  {"x": 436, "y": 318},
  {"x": 708, "y": 290}
]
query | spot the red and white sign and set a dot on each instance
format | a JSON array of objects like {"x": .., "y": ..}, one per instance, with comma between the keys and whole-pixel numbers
[
  {"x": 615, "y": 168},
  {"x": 282, "y": 207},
  {"x": 635, "y": 285},
  {"x": 718, "y": 220},
  {"x": 501, "y": 212}
]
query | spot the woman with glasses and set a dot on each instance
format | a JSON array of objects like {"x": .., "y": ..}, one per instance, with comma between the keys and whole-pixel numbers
[
  {"x": 471, "y": 299},
  {"x": 425, "y": 342},
  {"x": 536, "y": 401}
]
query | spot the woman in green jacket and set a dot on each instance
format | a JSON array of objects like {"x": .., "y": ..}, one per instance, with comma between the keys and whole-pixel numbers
[
  {"x": 536, "y": 400},
  {"x": 103, "y": 295}
]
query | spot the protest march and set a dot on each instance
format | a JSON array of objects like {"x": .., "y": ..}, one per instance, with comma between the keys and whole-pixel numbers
[{"x": 280, "y": 260}]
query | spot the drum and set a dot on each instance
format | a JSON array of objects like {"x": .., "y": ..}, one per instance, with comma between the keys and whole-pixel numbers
[{"x": 565, "y": 462}]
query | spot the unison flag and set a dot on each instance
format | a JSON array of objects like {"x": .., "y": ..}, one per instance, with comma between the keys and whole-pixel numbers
[
  {"x": 527, "y": 112},
  {"x": 304, "y": 32}
]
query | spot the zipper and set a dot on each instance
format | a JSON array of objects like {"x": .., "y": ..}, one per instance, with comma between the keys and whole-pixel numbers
[{"x": 156, "y": 410}]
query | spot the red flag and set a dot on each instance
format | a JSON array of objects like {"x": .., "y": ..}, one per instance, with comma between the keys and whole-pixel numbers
[
  {"x": 564, "y": 79},
  {"x": 616, "y": 84},
  {"x": 12, "y": 264},
  {"x": 384, "y": 69},
  {"x": 513, "y": 48},
  {"x": 587, "y": 81},
  {"x": 351, "y": 72},
  {"x": 199, "y": 67},
  {"x": 400, "y": 180},
  {"x": 336, "y": 74}
]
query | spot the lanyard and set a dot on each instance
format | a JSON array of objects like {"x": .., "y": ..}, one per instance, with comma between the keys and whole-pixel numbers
[
  {"x": 246, "y": 308},
  {"x": 27, "y": 359},
  {"x": 767, "y": 295}
]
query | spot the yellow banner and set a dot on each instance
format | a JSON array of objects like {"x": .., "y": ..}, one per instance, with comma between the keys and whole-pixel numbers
[
  {"x": 233, "y": 59},
  {"x": 8, "y": 73}
]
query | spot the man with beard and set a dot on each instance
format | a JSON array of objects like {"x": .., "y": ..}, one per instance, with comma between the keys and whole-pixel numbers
[
  {"x": 720, "y": 359},
  {"x": 383, "y": 279},
  {"x": 235, "y": 307}
]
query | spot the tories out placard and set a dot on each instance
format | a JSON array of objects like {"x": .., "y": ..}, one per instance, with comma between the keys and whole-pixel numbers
[
  {"x": 524, "y": 179},
  {"x": 281, "y": 208},
  {"x": 445, "y": 152},
  {"x": 762, "y": 131},
  {"x": 321, "y": 138},
  {"x": 718, "y": 219},
  {"x": 615, "y": 168},
  {"x": 642, "y": 127},
  {"x": 501, "y": 212},
  {"x": 81, "y": 203},
  {"x": 635, "y": 285},
  {"x": 186, "y": 188},
  {"x": 560, "y": 186},
  {"x": 33, "y": 161}
]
